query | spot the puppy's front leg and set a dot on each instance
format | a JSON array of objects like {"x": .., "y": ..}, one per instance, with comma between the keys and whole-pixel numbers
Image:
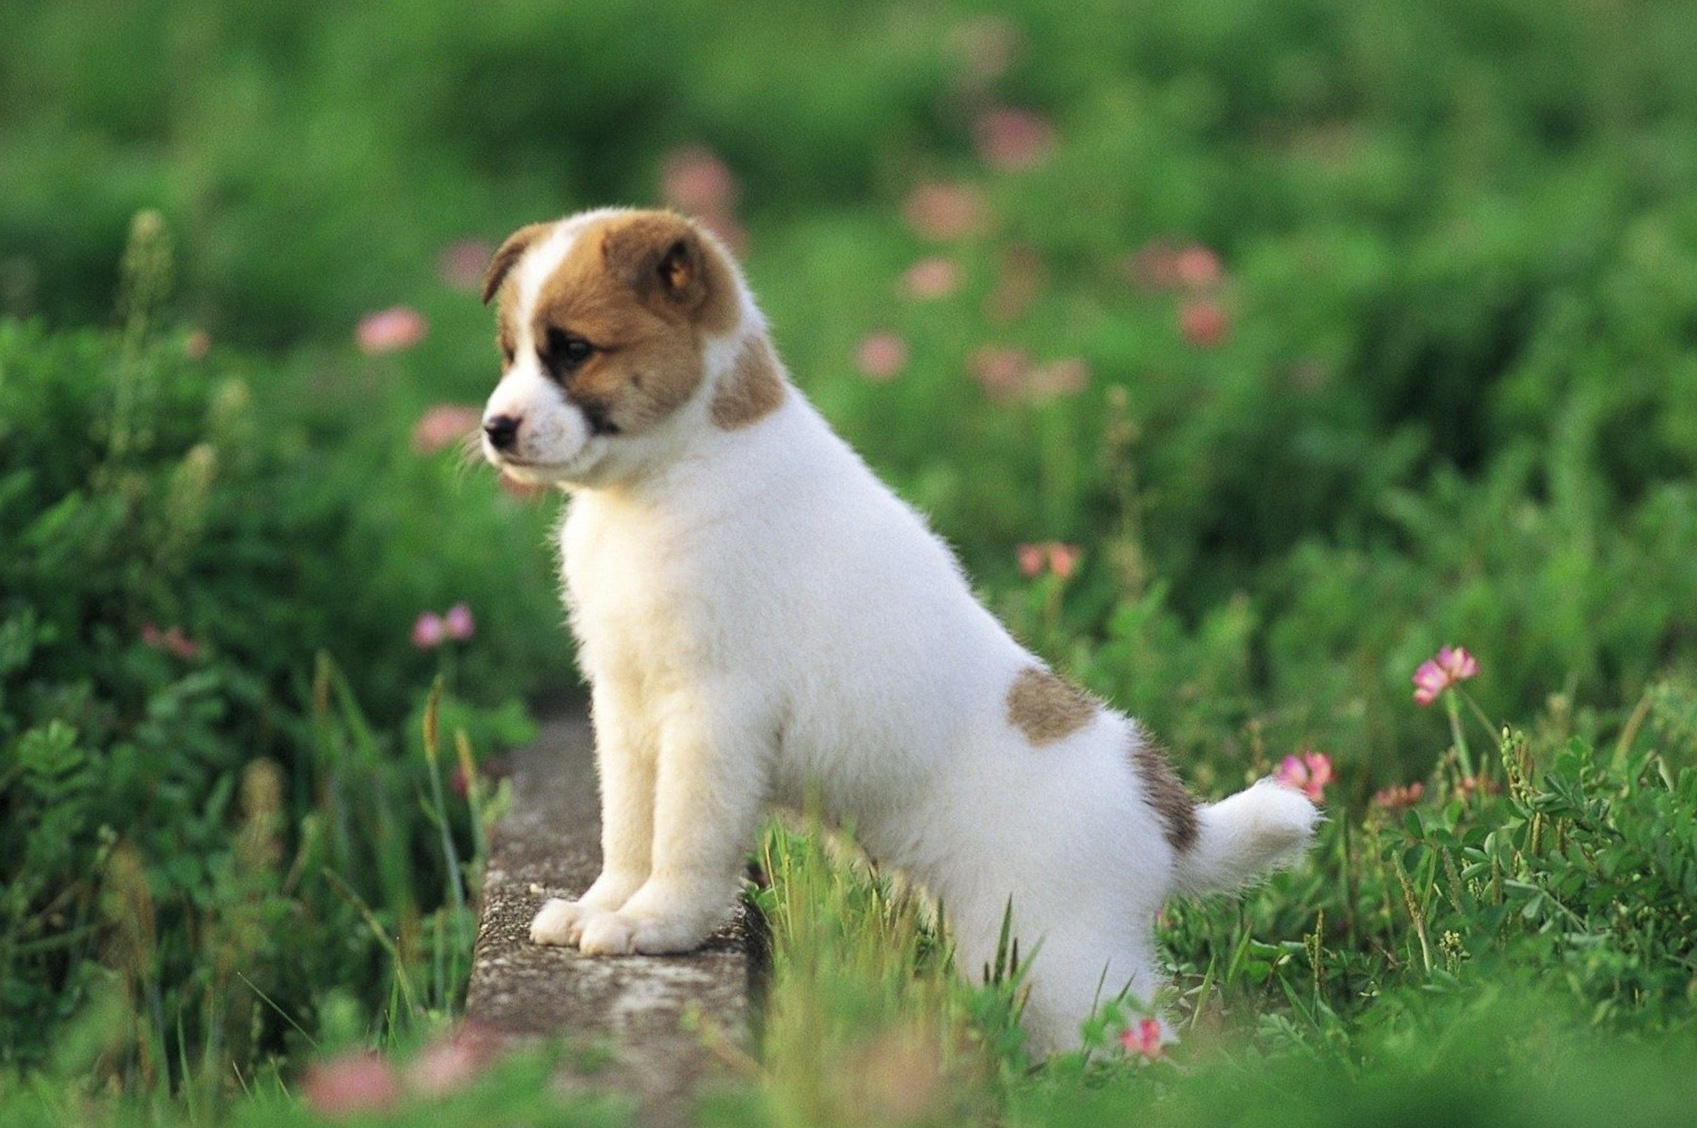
[
  {"x": 625, "y": 751},
  {"x": 716, "y": 753}
]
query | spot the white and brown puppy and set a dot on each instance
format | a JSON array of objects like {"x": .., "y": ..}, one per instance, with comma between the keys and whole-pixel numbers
[{"x": 760, "y": 618}]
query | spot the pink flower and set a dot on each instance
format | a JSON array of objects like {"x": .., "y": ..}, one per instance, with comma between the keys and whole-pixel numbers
[
  {"x": 1204, "y": 323},
  {"x": 428, "y": 631},
  {"x": 1308, "y": 774},
  {"x": 1052, "y": 556},
  {"x": 931, "y": 278},
  {"x": 695, "y": 181},
  {"x": 445, "y": 425},
  {"x": 1143, "y": 1039},
  {"x": 1197, "y": 267},
  {"x": 1398, "y": 796},
  {"x": 390, "y": 330},
  {"x": 1063, "y": 558},
  {"x": 349, "y": 1085},
  {"x": 1451, "y": 665},
  {"x": 451, "y": 1064},
  {"x": 173, "y": 641},
  {"x": 197, "y": 344},
  {"x": 1000, "y": 370},
  {"x": 461, "y": 264},
  {"x": 880, "y": 356},
  {"x": 1012, "y": 140},
  {"x": 944, "y": 211},
  {"x": 458, "y": 622}
]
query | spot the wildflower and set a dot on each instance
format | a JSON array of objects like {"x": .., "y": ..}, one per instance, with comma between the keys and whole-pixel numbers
[
  {"x": 390, "y": 330},
  {"x": 930, "y": 278},
  {"x": 450, "y": 1064},
  {"x": 173, "y": 641},
  {"x": 694, "y": 180},
  {"x": 944, "y": 211},
  {"x": 461, "y": 264},
  {"x": 443, "y": 426},
  {"x": 458, "y": 622},
  {"x": 1451, "y": 666},
  {"x": 1000, "y": 370},
  {"x": 1470, "y": 784},
  {"x": 1197, "y": 268},
  {"x": 1012, "y": 140},
  {"x": 197, "y": 344},
  {"x": 1398, "y": 796},
  {"x": 1309, "y": 773},
  {"x": 1143, "y": 1039},
  {"x": 1052, "y": 556},
  {"x": 1204, "y": 323},
  {"x": 349, "y": 1085},
  {"x": 428, "y": 631},
  {"x": 1160, "y": 265},
  {"x": 880, "y": 356}
]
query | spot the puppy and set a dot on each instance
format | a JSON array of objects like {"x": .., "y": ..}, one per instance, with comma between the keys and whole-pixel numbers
[{"x": 760, "y": 618}]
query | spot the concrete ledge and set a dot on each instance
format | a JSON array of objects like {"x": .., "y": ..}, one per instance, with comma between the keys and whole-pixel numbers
[{"x": 663, "y": 1025}]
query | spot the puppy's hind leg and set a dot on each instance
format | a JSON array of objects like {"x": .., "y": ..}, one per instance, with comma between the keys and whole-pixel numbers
[
  {"x": 625, "y": 754},
  {"x": 716, "y": 749}
]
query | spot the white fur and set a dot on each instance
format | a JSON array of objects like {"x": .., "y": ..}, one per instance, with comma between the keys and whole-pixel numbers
[{"x": 761, "y": 619}]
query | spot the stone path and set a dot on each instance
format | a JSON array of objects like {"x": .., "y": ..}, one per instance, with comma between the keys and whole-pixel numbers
[{"x": 662, "y": 1025}]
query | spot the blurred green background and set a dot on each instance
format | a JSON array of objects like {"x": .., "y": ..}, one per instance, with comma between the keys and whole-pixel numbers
[{"x": 1314, "y": 333}]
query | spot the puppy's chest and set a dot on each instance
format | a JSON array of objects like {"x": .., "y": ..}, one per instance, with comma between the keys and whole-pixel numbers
[{"x": 634, "y": 586}]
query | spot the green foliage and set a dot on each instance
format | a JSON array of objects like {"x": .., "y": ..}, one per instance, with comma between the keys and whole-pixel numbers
[{"x": 199, "y": 821}]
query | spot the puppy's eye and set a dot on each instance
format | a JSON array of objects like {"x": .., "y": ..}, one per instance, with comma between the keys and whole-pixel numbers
[
  {"x": 566, "y": 351},
  {"x": 507, "y": 355}
]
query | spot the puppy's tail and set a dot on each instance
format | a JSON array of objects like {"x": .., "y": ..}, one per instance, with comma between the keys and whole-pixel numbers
[{"x": 1240, "y": 837}]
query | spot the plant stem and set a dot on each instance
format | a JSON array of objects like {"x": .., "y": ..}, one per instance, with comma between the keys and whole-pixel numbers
[{"x": 1454, "y": 706}]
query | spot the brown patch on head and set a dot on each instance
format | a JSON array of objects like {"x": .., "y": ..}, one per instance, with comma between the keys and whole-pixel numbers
[
  {"x": 507, "y": 256},
  {"x": 751, "y": 390},
  {"x": 642, "y": 290},
  {"x": 1164, "y": 791},
  {"x": 1047, "y": 709}
]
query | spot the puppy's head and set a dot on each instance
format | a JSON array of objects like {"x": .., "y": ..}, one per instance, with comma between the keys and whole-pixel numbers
[{"x": 604, "y": 323}]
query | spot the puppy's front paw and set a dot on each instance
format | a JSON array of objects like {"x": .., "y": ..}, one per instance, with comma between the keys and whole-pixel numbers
[
  {"x": 608, "y": 934},
  {"x": 559, "y": 922},
  {"x": 624, "y": 934}
]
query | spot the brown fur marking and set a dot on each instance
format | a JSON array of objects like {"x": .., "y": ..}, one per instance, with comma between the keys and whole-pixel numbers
[
  {"x": 1165, "y": 793},
  {"x": 1047, "y": 709},
  {"x": 751, "y": 390},
  {"x": 507, "y": 256}
]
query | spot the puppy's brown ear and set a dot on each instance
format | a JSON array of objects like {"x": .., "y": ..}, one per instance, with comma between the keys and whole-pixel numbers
[
  {"x": 508, "y": 255},
  {"x": 660, "y": 256}
]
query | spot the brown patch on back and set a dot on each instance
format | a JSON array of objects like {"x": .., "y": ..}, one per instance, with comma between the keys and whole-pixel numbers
[
  {"x": 751, "y": 390},
  {"x": 643, "y": 288},
  {"x": 1164, "y": 791},
  {"x": 1047, "y": 709}
]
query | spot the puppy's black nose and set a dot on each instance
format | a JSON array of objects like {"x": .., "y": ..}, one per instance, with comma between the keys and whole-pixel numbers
[{"x": 503, "y": 431}]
